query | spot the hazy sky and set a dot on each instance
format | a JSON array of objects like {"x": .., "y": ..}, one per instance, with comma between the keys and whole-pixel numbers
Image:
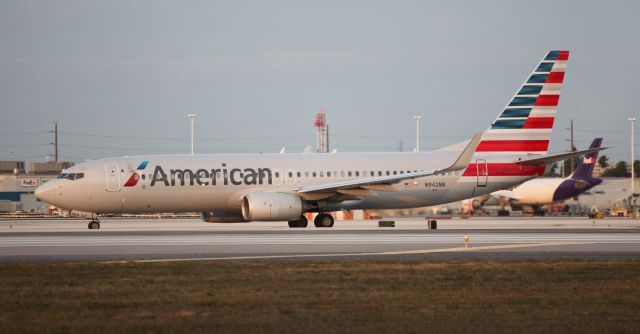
[{"x": 121, "y": 76}]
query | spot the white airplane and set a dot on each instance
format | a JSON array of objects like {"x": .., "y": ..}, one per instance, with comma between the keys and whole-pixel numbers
[{"x": 279, "y": 187}]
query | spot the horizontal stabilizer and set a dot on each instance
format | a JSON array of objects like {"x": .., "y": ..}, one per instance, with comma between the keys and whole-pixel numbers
[{"x": 547, "y": 159}]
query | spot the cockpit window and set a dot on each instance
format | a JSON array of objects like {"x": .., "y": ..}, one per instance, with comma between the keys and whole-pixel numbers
[{"x": 71, "y": 176}]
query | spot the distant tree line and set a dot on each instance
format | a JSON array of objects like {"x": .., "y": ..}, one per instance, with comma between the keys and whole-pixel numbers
[
  {"x": 617, "y": 170},
  {"x": 620, "y": 169}
]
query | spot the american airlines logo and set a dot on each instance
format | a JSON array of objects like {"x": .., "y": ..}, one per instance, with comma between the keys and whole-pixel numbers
[
  {"x": 133, "y": 179},
  {"x": 213, "y": 176}
]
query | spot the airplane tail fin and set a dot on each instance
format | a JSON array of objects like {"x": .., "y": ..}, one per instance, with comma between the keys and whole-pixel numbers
[
  {"x": 525, "y": 124},
  {"x": 585, "y": 169}
]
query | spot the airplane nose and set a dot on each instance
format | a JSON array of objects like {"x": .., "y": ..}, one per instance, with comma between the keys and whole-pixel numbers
[{"x": 46, "y": 192}]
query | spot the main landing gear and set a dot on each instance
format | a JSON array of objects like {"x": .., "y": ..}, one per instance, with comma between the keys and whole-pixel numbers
[
  {"x": 323, "y": 220},
  {"x": 300, "y": 222},
  {"x": 537, "y": 210}
]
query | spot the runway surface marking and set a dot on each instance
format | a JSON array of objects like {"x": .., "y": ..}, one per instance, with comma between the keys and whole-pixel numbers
[
  {"x": 407, "y": 252},
  {"x": 319, "y": 239}
]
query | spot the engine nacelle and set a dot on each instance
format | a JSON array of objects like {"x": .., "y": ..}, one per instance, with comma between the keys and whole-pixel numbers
[
  {"x": 223, "y": 217},
  {"x": 476, "y": 204},
  {"x": 271, "y": 206}
]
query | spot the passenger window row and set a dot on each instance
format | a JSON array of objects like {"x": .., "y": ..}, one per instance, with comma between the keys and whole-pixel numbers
[
  {"x": 346, "y": 174},
  {"x": 357, "y": 173},
  {"x": 334, "y": 174}
]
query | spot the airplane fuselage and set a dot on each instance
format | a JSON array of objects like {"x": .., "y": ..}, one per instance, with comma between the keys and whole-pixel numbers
[
  {"x": 549, "y": 190},
  {"x": 189, "y": 183}
]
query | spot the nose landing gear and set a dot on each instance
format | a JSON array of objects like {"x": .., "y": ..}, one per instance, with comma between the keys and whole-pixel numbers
[{"x": 94, "y": 224}]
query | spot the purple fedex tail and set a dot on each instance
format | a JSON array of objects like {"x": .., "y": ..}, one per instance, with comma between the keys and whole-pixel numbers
[
  {"x": 582, "y": 178},
  {"x": 585, "y": 169}
]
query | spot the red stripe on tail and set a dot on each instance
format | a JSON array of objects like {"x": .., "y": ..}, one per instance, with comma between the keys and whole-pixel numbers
[
  {"x": 505, "y": 169},
  {"x": 538, "y": 123},
  {"x": 547, "y": 100},
  {"x": 563, "y": 55},
  {"x": 555, "y": 77},
  {"x": 513, "y": 145}
]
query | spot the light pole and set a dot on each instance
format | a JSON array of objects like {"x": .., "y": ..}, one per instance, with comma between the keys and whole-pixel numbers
[
  {"x": 633, "y": 196},
  {"x": 192, "y": 117},
  {"x": 417, "y": 118}
]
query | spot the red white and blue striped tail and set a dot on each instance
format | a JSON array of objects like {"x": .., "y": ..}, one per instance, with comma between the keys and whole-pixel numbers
[{"x": 524, "y": 126}]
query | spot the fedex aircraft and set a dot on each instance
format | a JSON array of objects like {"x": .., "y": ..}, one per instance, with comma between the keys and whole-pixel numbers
[
  {"x": 548, "y": 190},
  {"x": 279, "y": 187}
]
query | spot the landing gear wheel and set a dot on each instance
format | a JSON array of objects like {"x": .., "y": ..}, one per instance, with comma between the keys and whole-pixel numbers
[
  {"x": 323, "y": 220},
  {"x": 537, "y": 210},
  {"x": 433, "y": 224},
  {"x": 94, "y": 225},
  {"x": 300, "y": 222}
]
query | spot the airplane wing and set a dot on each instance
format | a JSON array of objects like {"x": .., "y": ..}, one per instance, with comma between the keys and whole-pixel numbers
[
  {"x": 461, "y": 163},
  {"x": 547, "y": 159}
]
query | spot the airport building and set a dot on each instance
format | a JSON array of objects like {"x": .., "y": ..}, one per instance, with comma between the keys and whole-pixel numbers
[{"x": 17, "y": 185}]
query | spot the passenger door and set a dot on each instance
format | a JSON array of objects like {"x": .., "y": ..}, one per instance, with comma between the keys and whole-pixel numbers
[
  {"x": 482, "y": 172},
  {"x": 113, "y": 176}
]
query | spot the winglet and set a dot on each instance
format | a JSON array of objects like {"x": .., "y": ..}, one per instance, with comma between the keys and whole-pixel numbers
[{"x": 465, "y": 157}]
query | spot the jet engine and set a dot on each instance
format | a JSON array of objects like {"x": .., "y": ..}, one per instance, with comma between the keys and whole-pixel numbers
[
  {"x": 223, "y": 217},
  {"x": 271, "y": 206}
]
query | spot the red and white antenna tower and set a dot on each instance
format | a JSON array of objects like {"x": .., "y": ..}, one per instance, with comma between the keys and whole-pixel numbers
[{"x": 322, "y": 132}]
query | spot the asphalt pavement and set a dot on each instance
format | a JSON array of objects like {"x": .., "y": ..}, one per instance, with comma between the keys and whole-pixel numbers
[{"x": 153, "y": 239}]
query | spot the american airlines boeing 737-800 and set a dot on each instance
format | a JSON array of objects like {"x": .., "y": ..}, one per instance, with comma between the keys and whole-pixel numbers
[{"x": 279, "y": 187}]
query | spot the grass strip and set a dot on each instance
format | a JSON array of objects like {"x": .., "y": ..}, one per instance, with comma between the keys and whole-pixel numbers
[{"x": 321, "y": 297}]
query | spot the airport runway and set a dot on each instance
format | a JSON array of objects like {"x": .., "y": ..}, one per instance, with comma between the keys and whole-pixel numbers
[{"x": 68, "y": 240}]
